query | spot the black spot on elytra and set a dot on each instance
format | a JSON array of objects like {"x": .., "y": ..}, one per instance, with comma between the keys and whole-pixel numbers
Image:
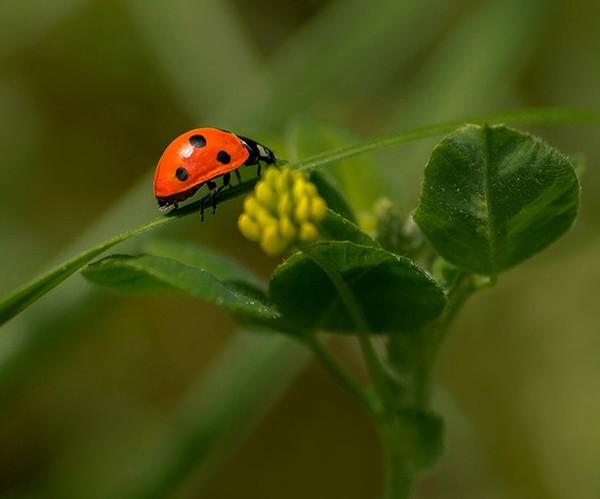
[
  {"x": 198, "y": 140},
  {"x": 223, "y": 157},
  {"x": 181, "y": 173}
]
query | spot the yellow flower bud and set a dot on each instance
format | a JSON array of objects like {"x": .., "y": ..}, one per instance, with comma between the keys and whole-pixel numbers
[
  {"x": 284, "y": 205},
  {"x": 302, "y": 211},
  {"x": 308, "y": 232},
  {"x": 264, "y": 218},
  {"x": 283, "y": 181},
  {"x": 251, "y": 205},
  {"x": 249, "y": 228},
  {"x": 270, "y": 176},
  {"x": 271, "y": 242},
  {"x": 299, "y": 189},
  {"x": 284, "y": 210},
  {"x": 311, "y": 189},
  {"x": 287, "y": 228},
  {"x": 318, "y": 208},
  {"x": 298, "y": 177},
  {"x": 264, "y": 195}
]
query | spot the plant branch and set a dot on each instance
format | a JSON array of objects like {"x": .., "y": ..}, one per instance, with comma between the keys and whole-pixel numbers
[
  {"x": 521, "y": 116},
  {"x": 377, "y": 370},
  {"x": 338, "y": 372}
]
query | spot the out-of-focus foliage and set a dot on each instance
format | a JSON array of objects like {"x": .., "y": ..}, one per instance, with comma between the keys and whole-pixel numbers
[{"x": 91, "y": 91}]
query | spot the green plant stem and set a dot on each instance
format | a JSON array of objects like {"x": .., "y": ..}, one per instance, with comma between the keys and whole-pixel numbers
[
  {"x": 421, "y": 348},
  {"x": 21, "y": 298},
  {"x": 521, "y": 116},
  {"x": 434, "y": 334},
  {"x": 398, "y": 472},
  {"x": 425, "y": 344},
  {"x": 376, "y": 369},
  {"x": 457, "y": 296},
  {"x": 339, "y": 373}
]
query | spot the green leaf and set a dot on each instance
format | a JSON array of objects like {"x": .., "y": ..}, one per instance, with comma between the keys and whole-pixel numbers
[
  {"x": 393, "y": 294},
  {"x": 148, "y": 273},
  {"x": 492, "y": 197},
  {"x": 222, "y": 267},
  {"x": 338, "y": 228},
  {"x": 19, "y": 299}
]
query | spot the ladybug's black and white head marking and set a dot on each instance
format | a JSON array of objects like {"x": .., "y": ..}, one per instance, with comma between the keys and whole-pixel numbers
[{"x": 258, "y": 152}]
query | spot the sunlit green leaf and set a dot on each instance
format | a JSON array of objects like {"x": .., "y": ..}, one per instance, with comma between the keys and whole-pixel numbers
[
  {"x": 492, "y": 197},
  {"x": 148, "y": 273},
  {"x": 200, "y": 257}
]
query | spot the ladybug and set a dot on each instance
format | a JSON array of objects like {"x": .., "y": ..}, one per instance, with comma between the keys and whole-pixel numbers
[{"x": 199, "y": 157}]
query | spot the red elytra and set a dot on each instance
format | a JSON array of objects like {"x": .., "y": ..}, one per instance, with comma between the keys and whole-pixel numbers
[{"x": 199, "y": 157}]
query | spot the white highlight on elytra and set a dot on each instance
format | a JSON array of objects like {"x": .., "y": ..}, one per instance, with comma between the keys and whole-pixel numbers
[{"x": 186, "y": 151}]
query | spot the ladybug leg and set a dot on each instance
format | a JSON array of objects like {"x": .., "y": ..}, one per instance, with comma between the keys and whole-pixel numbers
[
  {"x": 226, "y": 180},
  {"x": 258, "y": 168},
  {"x": 213, "y": 193},
  {"x": 214, "y": 201},
  {"x": 212, "y": 185},
  {"x": 202, "y": 201},
  {"x": 215, "y": 190}
]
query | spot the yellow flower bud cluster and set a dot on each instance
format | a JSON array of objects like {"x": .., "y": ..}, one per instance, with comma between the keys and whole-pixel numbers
[{"x": 283, "y": 210}]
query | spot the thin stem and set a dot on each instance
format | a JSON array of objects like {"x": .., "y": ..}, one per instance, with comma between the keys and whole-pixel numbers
[
  {"x": 339, "y": 373},
  {"x": 521, "y": 116},
  {"x": 457, "y": 296},
  {"x": 19, "y": 299},
  {"x": 378, "y": 373},
  {"x": 399, "y": 474},
  {"x": 430, "y": 338}
]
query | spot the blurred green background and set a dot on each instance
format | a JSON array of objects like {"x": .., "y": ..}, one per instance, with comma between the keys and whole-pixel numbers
[{"x": 93, "y": 387}]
